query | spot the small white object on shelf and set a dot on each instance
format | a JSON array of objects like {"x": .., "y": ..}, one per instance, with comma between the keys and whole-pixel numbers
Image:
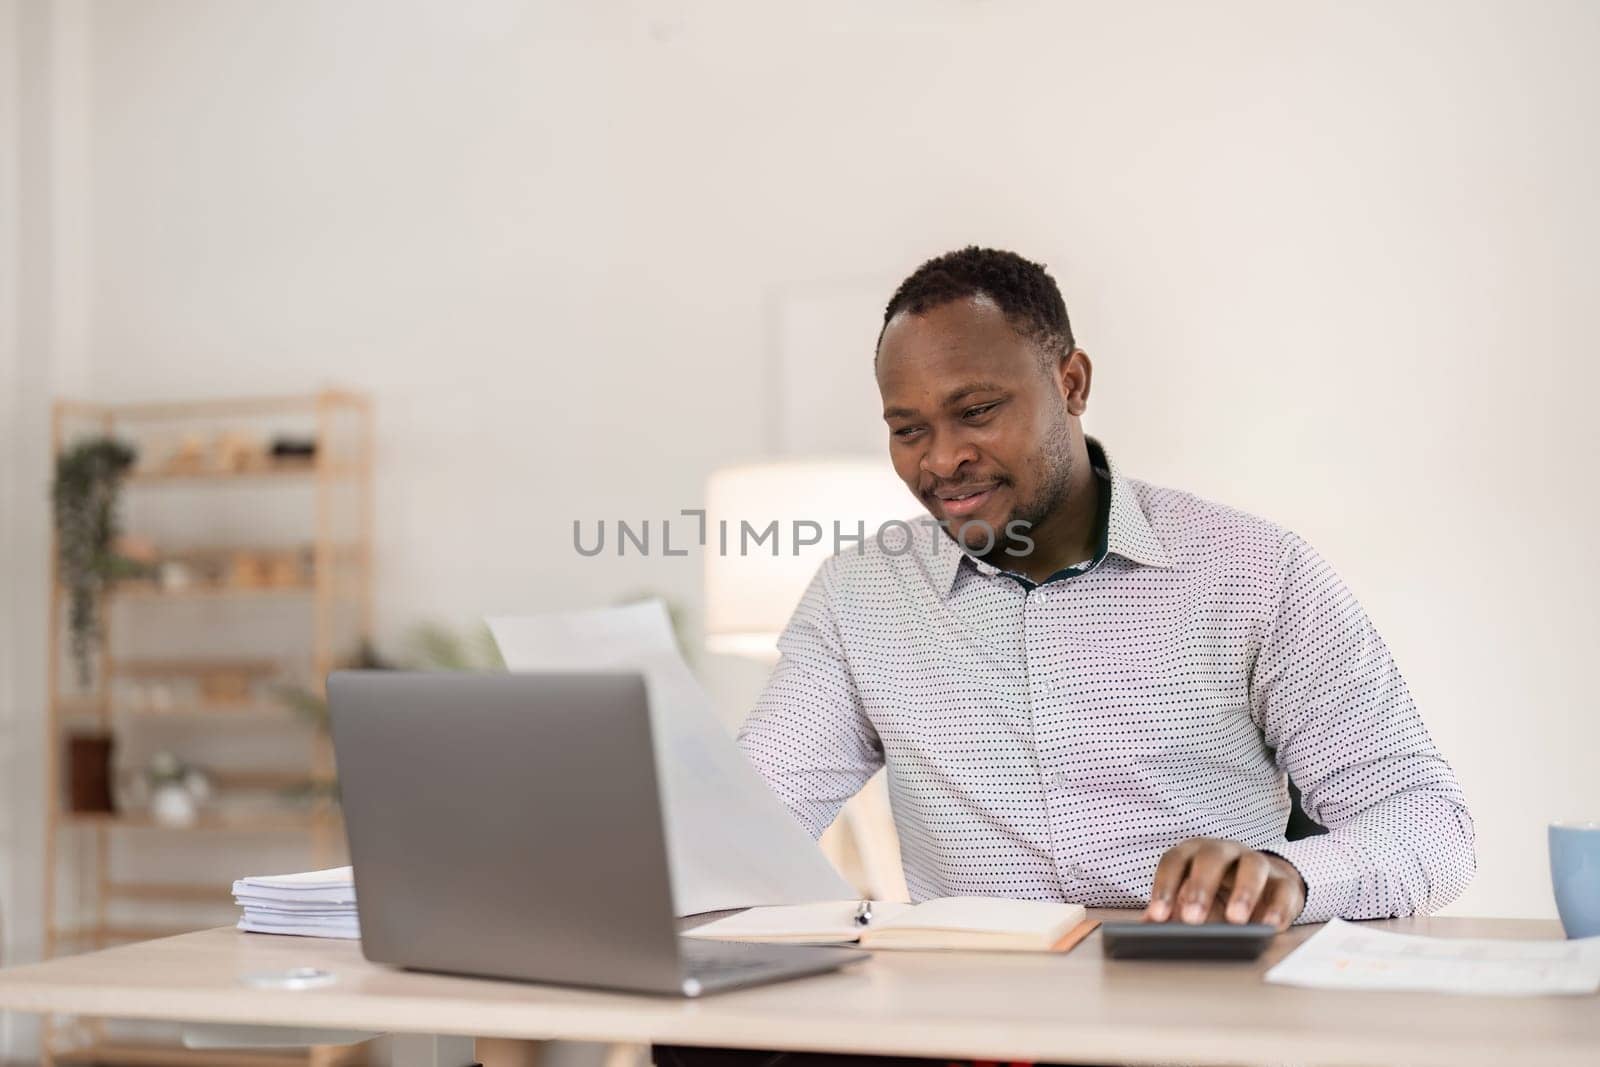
[{"x": 173, "y": 805}]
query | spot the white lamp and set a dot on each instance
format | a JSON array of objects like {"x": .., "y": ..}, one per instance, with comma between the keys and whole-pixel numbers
[{"x": 750, "y": 591}]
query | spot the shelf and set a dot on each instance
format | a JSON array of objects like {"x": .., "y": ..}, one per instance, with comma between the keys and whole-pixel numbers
[
  {"x": 190, "y": 668},
  {"x": 241, "y": 714},
  {"x": 160, "y": 478},
  {"x": 141, "y": 1054},
  {"x": 238, "y": 779},
  {"x": 266, "y": 823},
  {"x": 288, "y": 468},
  {"x": 230, "y": 713},
  {"x": 211, "y": 592},
  {"x": 218, "y": 408},
  {"x": 287, "y": 472},
  {"x": 339, "y": 550}
]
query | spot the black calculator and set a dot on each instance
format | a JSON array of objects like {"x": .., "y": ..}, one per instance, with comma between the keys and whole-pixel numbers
[{"x": 1181, "y": 941}]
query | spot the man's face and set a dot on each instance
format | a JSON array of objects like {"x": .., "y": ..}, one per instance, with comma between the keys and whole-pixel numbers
[{"x": 979, "y": 429}]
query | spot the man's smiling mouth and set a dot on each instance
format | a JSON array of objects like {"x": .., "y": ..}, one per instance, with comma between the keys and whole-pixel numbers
[{"x": 966, "y": 500}]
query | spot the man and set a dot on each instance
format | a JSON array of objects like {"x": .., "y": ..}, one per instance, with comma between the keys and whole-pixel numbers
[{"x": 1088, "y": 688}]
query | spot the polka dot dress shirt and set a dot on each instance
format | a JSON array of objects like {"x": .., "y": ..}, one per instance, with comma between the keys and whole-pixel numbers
[{"x": 1051, "y": 742}]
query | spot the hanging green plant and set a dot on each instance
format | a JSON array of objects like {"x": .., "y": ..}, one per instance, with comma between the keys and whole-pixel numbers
[{"x": 87, "y": 486}]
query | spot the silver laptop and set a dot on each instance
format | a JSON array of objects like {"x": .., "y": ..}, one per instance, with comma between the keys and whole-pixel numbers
[{"x": 509, "y": 826}]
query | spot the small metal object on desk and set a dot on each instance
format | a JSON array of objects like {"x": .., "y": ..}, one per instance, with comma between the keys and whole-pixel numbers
[
  {"x": 863, "y": 913},
  {"x": 293, "y": 978}
]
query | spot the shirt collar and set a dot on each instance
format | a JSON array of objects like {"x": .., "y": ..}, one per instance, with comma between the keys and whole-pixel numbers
[{"x": 1127, "y": 534}]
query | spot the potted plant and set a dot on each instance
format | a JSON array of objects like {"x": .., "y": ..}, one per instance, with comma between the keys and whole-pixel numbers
[
  {"x": 429, "y": 647},
  {"x": 85, "y": 493}
]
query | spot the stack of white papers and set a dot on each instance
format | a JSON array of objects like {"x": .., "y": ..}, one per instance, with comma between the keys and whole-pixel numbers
[
  {"x": 1347, "y": 956},
  {"x": 310, "y": 904}
]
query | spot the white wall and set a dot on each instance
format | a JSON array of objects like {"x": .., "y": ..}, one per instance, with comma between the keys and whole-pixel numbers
[
  {"x": 1330, "y": 261},
  {"x": 43, "y": 175},
  {"x": 10, "y": 108}
]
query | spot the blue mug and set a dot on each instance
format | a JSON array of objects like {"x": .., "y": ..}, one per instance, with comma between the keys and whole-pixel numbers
[{"x": 1575, "y": 876}]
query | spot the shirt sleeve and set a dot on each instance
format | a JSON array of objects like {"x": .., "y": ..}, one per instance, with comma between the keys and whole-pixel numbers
[
  {"x": 808, "y": 735},
  {"x": 1332, "y": 705}
]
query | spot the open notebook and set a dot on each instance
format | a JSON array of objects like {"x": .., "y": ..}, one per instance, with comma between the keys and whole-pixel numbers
[{"x": 985, "y": 923}]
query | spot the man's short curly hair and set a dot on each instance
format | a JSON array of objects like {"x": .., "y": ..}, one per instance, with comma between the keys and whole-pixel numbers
[{"x": 1022, "y": 289}]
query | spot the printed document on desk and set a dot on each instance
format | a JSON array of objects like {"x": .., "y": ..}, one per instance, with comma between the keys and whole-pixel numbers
[
  {"x": 311, "y": 904},
  {"x": 730, "y": 841},
  {"x": 1346, "y": 955}
]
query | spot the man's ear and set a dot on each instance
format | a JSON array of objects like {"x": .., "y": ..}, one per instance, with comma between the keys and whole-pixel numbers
[{"x": 1074, "y": 373}]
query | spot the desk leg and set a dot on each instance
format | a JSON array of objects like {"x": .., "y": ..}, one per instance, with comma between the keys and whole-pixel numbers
[
  {"x": 422, "y": 1050},
  {"x": 511, "y": 1052}
]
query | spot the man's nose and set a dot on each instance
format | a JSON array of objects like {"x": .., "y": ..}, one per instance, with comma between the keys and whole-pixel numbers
[{"x": 945, "y": 455}]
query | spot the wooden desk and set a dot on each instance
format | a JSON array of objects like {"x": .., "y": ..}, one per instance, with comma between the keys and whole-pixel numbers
[{"x": 1074, "y": 1007}]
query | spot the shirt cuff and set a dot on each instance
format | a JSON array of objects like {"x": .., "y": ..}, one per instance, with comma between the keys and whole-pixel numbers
[{"x": 1332, "y": 880}]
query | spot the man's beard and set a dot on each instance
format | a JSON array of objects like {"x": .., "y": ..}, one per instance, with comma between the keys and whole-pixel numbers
[{"x": 1054, "y": 486}]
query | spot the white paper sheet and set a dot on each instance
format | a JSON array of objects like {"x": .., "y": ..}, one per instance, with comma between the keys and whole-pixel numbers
[
  {"x": 250, "y": 922},
  {"x": 335, "y": 885},
  {"x": 730, "y": 842},
  {"x": 1348, "y": 956}
]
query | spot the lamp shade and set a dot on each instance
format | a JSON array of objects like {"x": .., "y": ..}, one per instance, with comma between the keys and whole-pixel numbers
[{"x": 759, "y": 520}]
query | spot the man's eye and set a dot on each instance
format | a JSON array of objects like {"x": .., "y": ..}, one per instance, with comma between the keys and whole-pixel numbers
[
  {"x": 907, "y": 432},
  {"x": 979, "y": 411}
]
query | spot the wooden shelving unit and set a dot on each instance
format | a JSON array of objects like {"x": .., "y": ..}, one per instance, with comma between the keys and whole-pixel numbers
[
  {"x": 334, "y": 592},
  {"x": 246, "y": 824}
]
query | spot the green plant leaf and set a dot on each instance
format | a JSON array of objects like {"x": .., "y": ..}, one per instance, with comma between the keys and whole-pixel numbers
[{"x": 84, "y": 496}]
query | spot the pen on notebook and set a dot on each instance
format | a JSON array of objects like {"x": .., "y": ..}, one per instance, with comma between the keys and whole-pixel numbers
[{"x": 863, "y": 913}]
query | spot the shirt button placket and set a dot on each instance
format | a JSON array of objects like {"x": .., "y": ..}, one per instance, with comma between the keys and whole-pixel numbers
[{"x": 1045, "y": 694}]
